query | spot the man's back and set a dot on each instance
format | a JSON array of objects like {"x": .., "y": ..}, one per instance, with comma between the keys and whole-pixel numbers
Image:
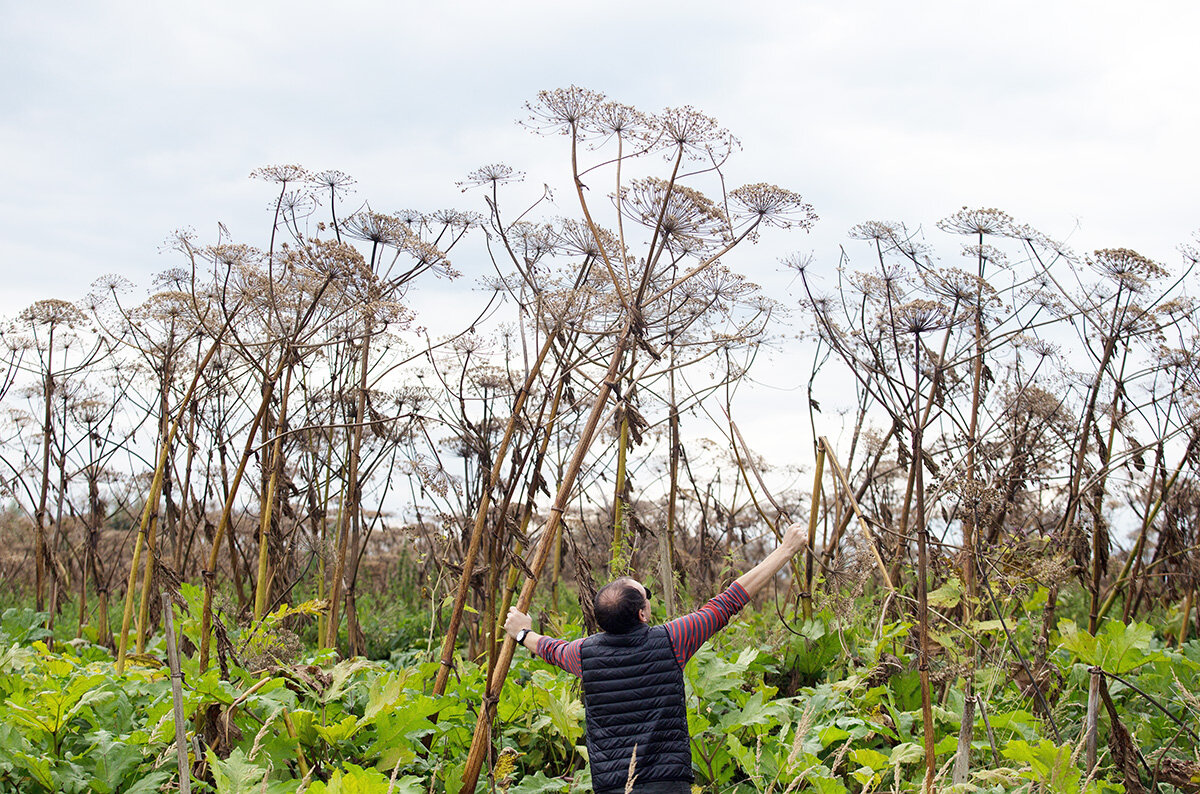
[{"x": 634, "y": 702}]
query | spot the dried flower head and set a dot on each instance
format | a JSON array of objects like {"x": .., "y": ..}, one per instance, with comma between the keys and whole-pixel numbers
[
  {"x": 52, "y": 311},
  {"x": 1126, "y": 267},
  {"x": 375, "y": 227},
  {"x": 623, "y": 121},
  {"x": 233, "y": 255},
  {"x": 959, "y": 286},
  {"x": 112, "y": 283},
  {"x": 531, "y": 241},
  {"x": 798, "y": 261},
  {"x": 334, "y": 182},
  {"x": 921, "y": 316},
  {"x": 296, "y": 203},
  {"x": 491, "y": 176},
  {"x": 575, "y": 237},
  {"x": 281, "y": 174},
  {"x": 977, "y": 221},
  {"x": 456, "y": 219},
  {"x": 689, "y": 132},
  {"x": 774, "y": 206},
  {"x": 565, "y": 111},
  {"x": 676, "y": 210},
  {"x": 879, "y": 231}
]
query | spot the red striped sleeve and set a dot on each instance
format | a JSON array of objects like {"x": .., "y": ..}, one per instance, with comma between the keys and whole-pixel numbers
[
  {"x": 689, "y": 632},
  {"x": 561, "y": 653}
]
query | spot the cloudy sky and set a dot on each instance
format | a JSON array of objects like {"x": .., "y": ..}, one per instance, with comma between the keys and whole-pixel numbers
[{"x": 123, "y": 121}]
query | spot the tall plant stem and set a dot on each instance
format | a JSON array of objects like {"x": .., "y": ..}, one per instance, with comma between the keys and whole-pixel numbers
[
  {"x": 481, "y": 739},
  {"x": 151, "y": 506},
  {"x": 1139, "y": 545},
  {"x": 813, "y": 515},
  {"x": 868, "y": 536},
  {"x": 666, "y": 560},
  {"x": 351, "y": 493},
  {"x": 209, "y": 574},
  {"x": 619, "y": 496},
  {"x": 263, "y": 583},
  {"x": 527, "y": 515},
  {"x": 39, "y": 538},
  {"x": 464, "y": 585},
  {"x": 918, "y": 465}
]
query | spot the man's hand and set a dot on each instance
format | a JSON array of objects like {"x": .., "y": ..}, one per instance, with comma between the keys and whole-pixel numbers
[
  {"x": 516, "y": 621},
  {"x": 793, "y": 542},
  {"x": 795, "y": 538}
]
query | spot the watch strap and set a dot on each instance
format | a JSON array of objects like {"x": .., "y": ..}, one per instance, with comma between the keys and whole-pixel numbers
[{"x": 521, "y": 636}]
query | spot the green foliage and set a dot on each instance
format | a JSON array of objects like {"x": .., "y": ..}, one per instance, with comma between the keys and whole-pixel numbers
[
  {"x": 769, "y": 710},
  {"x": 1116, "y": 649}
]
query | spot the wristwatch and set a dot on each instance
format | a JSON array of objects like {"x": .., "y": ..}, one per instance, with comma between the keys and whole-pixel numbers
[{"x": 521, "y": 636}]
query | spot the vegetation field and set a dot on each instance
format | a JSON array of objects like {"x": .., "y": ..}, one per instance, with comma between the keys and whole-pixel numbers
[{"x": 260, "y": 527}]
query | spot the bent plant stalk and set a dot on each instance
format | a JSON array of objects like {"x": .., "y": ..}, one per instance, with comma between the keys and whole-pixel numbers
[
  {"x": 481, "y": 740},
  {"x": 464, "y": 585},
  {"x": 209, "y": 574},
  {"x": 151, "y": 506},
  {"x": 263, "y": 583}
]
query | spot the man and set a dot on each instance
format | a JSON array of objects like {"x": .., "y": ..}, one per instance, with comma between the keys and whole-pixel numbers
[{"x": 633, "y": 675}]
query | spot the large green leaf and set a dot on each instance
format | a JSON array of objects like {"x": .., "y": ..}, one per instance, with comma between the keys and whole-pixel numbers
[
  {"x": 235, "y": 774},
  {"x": 109, "y": 760},
  {"x": 538, "y": 783},
  {"x": 1117, "y": 648}
]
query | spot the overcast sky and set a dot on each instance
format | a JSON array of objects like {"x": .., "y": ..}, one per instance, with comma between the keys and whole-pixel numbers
[{"x": 122, "y": 121}]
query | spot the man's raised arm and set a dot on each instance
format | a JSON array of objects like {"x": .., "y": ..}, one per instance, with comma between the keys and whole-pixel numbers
[{"x": 793, "y": 541}]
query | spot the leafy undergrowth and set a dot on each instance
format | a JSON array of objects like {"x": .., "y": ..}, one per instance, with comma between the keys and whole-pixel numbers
[{"x": 828, "y": 708}]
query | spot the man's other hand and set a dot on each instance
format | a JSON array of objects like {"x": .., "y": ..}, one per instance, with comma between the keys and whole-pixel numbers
[
  {"x": 794, "y": 538},
  {"x": 516, "y": 621}
]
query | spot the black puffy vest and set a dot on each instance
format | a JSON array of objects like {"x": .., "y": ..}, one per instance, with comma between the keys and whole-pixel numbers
[{"x": 633, "y": 695}]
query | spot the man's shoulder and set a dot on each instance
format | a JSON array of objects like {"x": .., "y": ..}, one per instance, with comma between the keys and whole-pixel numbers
[{"x": 635, "y": 637}]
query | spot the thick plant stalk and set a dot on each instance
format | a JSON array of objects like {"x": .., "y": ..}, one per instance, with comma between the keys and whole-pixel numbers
[
  {"x": 143, "y": 616},
  {"x": 510, "y": 585},
  {"x": 1124, "y": 577},
  {"x": 164, "y": 412},
  {"x": 813, "y": 514},
  {"x": 1091, "y": 727},
  {"x": 39, "y": 538},
  {"x": 209, "y": 574},
  {"x": 862, "y": 522},
  {"x": 151, "y": 506},
  {"x": 350, "y": 500},
  {"x": 619, "y": 495},
  {"x": 845, "y": 517},
  {"x": 181, "y": 753},
  {"x": 918, "y": 464},
  {"x": 1185, "y": 620},
  {"x": 962, "y": 756},
  {"x": 262, "y": 586},
  {"x": 667, "y": 546},
  {"x": 464, "y": 585},
  {"x": 481, "y": 739}
]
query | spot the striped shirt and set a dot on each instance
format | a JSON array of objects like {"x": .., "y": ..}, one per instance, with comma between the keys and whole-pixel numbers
[{"x": 686, "y": 633}]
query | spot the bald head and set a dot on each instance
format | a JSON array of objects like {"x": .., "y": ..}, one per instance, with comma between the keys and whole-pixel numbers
[{"x": 618, "y": 605}]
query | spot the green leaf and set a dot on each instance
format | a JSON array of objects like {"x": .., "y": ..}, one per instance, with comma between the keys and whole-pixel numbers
[
  {"x": 338, "y": 732},
  {"x": 38, "y": 767},
  {"x": 148, "y": 783},
  {"x": 109, "y": 760},
  {"x": 873, "y": 759},
  {"x": 1117, "y": 648},
  {"x": 538, "y": 783},
  {"x": 947, "y": 596},
  {"x": 830, "y": 734},
  {"x": 236, "y": 775},
  {"x": 906, "y": 753},
  {"x": 353, "y": 780}
]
